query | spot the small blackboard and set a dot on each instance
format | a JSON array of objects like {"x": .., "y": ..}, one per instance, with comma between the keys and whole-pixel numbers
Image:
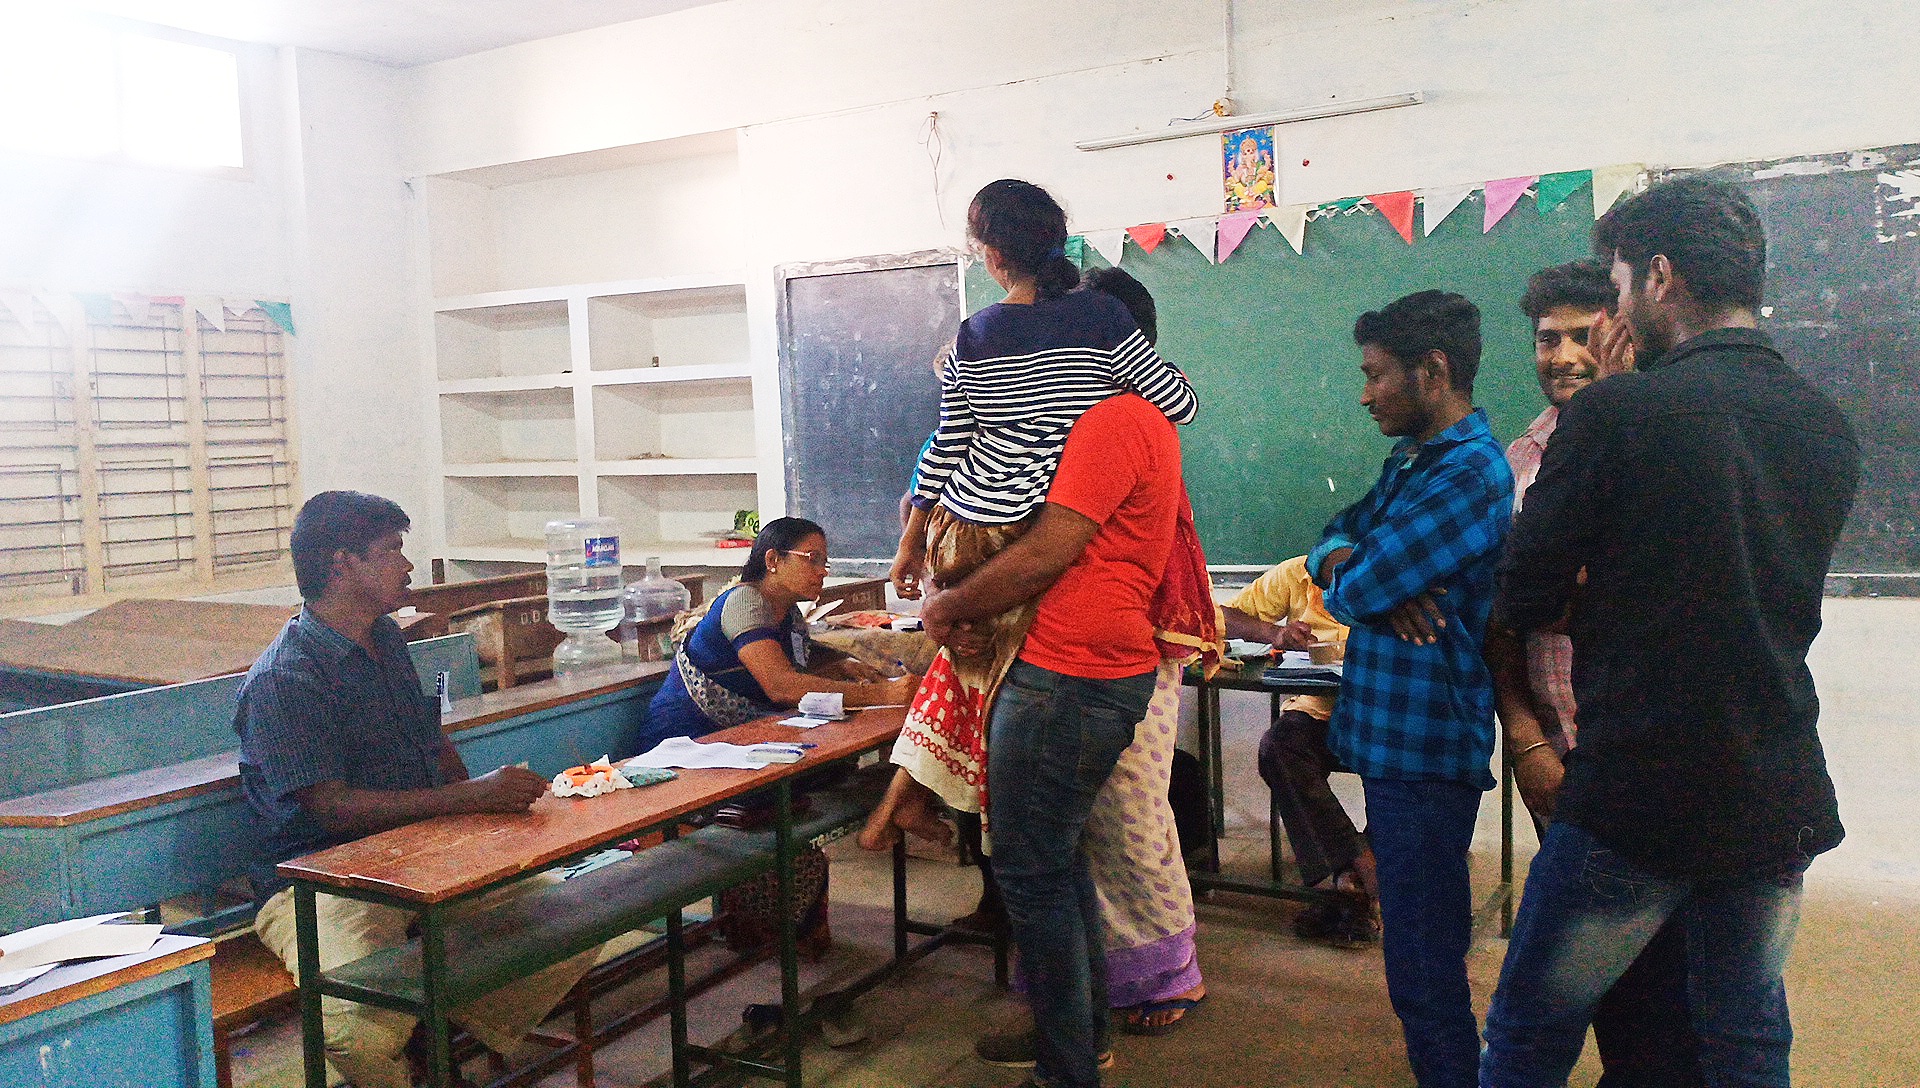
[
  {"x": 1843, "y": 304},
  {"x": 857, "y": 346}
]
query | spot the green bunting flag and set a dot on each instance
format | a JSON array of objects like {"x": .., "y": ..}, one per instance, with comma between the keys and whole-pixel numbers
[{"x": 1552, "y": 190}]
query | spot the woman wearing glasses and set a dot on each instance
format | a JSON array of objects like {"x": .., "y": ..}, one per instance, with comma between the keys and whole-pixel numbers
[{"x": 749, "y": 656}]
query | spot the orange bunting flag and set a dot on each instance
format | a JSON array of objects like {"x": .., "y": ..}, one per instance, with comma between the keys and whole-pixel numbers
[
  {"x": 1398, "y": 208},
  {"x": 1148, "y": 236}
]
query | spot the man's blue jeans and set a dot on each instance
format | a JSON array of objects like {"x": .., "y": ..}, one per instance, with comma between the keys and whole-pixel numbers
[
  {"x": 1420, "y": 832},
  {"x": 1051, "y": 744},
  {"x": 1586, "y": 915}
]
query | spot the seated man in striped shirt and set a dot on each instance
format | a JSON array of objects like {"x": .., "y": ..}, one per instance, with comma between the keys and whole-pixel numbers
[
  {"x": 1410, "y": 568},
  {"x": 337, "y": 743}
]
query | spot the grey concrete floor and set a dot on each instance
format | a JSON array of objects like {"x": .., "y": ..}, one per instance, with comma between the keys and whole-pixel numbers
[{"x": 1280, "y": 1011}]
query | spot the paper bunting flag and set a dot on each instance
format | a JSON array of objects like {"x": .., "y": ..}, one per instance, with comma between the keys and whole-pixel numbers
[
  {"x": 1292, "y": 221},
  {"x": 1556, "y": 188},
  {"x": 1439, "y": 203},
  {"x": 1398, "y": 208},
  {"x": 1344, "y": 204},
  {"x": 139, "y": 307},
  {"x": 1502, "y": 195},
  {"x": 212, "y": 311},
  {"x": 1200, "y": 231},
  {"x": 1148, "y": 236},
  {"x": 99, "y": 308},
  {"x": 1610, "y": 183},
  {"x": 1076, "y": 250},
  {"x": 280, "y": 312},
  {"x": 60, "y": 306},
  {"x": 1233, "y": 231},
  {"x": 1108, "y": 243},
  {"x": 20, "y": 305}
]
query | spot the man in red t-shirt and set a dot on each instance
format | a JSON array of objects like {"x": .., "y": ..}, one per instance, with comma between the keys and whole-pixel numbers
[{"x": 1069, "y": 704}]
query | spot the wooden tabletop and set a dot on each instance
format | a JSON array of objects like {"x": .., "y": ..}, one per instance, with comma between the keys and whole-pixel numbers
[
  {"x": 70, "y": 983},
  {"x": 104, "y": 797},
  {"x": 436, "y": 860}
]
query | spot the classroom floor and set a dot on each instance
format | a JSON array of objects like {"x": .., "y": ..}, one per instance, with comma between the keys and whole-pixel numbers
[{"x": 1281, "y": 1011}]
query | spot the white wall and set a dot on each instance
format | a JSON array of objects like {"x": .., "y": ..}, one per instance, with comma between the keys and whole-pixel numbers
[
  {"x": 361, "y": 402},
  {"x": 70, "y": 225}
]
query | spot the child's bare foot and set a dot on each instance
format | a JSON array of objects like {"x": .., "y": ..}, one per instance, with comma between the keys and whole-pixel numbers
[
  {"x": 880, "y": 832},
  {"x": 915, "y": 816}
]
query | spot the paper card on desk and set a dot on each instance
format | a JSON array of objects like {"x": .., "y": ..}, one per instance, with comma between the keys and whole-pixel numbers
[
  {"x": 30, "y": 953},
  {"x": 690, "y": 753},
  {"x": 819, "y": 611},
  {"x": 801, "y": 721},
  {"x": 830, "y": 705},
  {"x": 1240, "y": 647}
]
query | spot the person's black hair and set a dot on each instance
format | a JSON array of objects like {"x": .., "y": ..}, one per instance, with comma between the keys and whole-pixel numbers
[
  {"x": 1131, "y": 292},
  {"x": 1584, "y": 285},
  {"x": 1410, "y": 327},
  {"x": 778, "y": 535},
  {"x": 333, "y": 521},
  {"x": 1028, "y": 227},
  {"x": 1707, "y": 229}
]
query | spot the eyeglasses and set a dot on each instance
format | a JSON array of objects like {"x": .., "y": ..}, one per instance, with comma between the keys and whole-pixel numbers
[{"x": 818, "y": 559}]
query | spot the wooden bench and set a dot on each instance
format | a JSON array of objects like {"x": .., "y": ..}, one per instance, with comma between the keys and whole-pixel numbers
[
  {"x": 249, "y": 985},
  {"x": 548, "y": 924},
  {"x": 867, "y": 594}
]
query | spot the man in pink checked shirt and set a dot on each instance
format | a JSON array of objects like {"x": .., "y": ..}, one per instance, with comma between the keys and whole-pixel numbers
[{"x": 1642, "y": 1026}]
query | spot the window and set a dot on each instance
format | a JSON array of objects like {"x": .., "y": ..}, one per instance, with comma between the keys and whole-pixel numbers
[
  {"x": 81, "y": 89},
  {"x": 140, "y": 447}
]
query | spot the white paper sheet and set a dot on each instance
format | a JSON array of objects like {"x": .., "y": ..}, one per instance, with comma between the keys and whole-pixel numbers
[
  {"x": 801, "y": 721},
  {"x": 689, "y": 753},
  {"x": 30, "y": 953}
]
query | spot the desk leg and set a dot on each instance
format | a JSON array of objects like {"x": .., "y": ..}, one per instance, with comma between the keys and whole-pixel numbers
[
  {"x": 784, "y": 854},
  {"x": 1506, "y": 842},
  {"x": 433, "y": 980},
  {"x": 677, "y": 988},
  {"x": 306, "y": 936},
  {"x": 1216, "y": 777},
  {"x": 899, "y": 898}
]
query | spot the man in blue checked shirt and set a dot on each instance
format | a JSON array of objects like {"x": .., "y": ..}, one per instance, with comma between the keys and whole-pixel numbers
[{"x": 1411, "y": 569}]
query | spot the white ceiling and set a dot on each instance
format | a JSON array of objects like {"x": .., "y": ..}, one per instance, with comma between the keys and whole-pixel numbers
[{"x": 396, "y": 32}]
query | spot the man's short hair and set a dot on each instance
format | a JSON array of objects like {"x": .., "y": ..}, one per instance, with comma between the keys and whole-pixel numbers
[
  {"x": 335, "y": 520},
  {"x": 1706, "y": 228},
  {"x": 1425, "y": 321},
  {"x": 1583, "y": 285}
]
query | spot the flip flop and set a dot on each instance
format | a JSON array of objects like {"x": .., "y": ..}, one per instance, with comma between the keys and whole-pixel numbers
[{"x": 1136, "y": 1021}]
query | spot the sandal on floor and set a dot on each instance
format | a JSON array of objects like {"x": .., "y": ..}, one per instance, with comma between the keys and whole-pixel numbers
[{"x": 1137, "y": 1021}]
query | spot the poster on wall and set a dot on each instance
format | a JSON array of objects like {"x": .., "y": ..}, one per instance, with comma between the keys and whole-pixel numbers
[{"x": 1246, "y": 159}]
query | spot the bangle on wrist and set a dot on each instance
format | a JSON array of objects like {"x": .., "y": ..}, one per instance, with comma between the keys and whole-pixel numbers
[{"x": 1521, "y": 754}]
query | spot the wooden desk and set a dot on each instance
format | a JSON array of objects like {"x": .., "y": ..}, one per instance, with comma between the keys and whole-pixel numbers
[
  {"x": 1207, "y": 877},
  {"x": 132, "y": 840},
  {"x": 144, "y": 1019},
  {"x": 431, "y": 866}
]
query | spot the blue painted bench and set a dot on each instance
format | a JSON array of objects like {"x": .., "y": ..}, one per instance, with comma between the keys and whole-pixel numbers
[
  {"x": 154, "y": 834},
  {"x": 51, "y": 747}
]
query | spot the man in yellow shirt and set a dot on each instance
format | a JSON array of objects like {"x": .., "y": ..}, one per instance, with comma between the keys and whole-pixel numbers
[{"x": 1283, "y": 607}]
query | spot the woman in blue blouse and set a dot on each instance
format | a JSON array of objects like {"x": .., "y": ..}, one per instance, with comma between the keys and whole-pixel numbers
[{"x": 749, "y": 656}]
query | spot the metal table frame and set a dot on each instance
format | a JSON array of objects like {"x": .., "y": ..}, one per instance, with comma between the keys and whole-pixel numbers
[
  {"x": 1206, "y": 876},
  {"x": 433, "y": 1009}
]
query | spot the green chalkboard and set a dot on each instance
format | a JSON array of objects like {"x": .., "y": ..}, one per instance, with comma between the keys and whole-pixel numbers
[{"x": 1281, "y": 442}]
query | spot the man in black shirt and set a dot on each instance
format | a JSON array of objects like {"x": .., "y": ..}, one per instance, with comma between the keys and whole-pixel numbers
[{"x": 1702, "y": 496}]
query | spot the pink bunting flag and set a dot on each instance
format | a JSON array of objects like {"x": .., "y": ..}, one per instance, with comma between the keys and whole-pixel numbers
[
  {"x": 1148, "y": 236},
  {"x": 1398, "y": 208},
  {"x": 1233, "y": 230},
  {"x": 1502, "y": 195}
]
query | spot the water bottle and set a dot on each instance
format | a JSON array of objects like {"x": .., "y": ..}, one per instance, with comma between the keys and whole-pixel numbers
[
  {"x": 652, "y": 598},
  {"x": 583, "y": 590}
]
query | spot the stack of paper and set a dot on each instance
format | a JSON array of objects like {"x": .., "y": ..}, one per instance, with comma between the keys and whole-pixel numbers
[{"x": 30, "y": 953}]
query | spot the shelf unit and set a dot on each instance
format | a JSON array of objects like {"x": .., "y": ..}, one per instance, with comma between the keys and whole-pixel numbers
[{"x": 634, "y": 399}]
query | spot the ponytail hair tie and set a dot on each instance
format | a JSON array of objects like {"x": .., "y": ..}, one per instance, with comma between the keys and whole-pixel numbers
[{"x": 1057, "y": 253}]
